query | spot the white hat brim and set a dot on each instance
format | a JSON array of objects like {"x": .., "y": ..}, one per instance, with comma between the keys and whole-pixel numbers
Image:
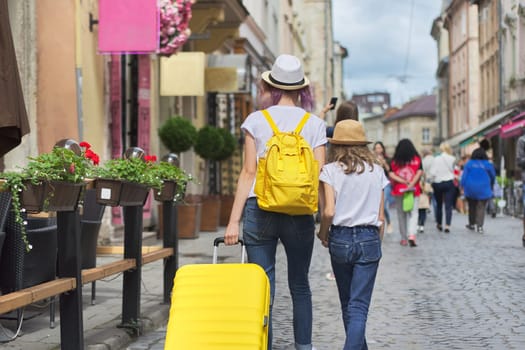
[{"x": 266, "y": 77}]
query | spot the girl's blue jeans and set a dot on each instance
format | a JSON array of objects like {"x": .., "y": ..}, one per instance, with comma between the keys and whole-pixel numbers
[{"x": 355, "y": 253}]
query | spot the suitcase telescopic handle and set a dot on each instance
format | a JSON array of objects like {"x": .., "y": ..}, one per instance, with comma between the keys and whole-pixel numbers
[{"x": 220, "y": 240}]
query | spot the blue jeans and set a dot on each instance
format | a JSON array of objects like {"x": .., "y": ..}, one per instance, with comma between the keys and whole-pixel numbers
[
  {"x": 355, "y": 253},
  {"x": 261, "y": 232},
  {"x": 444, "y": 191}
]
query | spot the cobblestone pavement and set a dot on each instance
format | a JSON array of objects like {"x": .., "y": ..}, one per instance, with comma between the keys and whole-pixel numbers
[{"x": 458, "y": 290}]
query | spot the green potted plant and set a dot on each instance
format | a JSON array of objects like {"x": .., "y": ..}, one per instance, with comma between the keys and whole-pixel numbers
[
  {"x": 50, "y": 181},
  {"x": 227, "y": 197},
  {"x": 126, "y": 181},
  {"x": 178, "y": 135},
  {"x": 209, "y": 145},
  {"x": 174, "y": 181}
]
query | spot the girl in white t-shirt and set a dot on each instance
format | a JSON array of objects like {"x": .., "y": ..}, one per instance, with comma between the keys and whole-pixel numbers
[{"x": 352, "y": 223}]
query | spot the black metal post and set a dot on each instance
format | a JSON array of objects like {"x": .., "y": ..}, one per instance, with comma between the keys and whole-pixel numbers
[
  {"x": 69, "y": 265},
  {"x": 132, "y": 278},
  {"x": 170, "y": 240}
]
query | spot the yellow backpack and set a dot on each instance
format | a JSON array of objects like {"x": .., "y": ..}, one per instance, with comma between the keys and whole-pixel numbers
[{"x": 287, "y": 179}]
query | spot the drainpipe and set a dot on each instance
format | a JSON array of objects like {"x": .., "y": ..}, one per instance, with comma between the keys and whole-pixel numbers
[
  {"x": 500, "y": 47},
  {"x": 78, "y": 69},
  {"x": 501, "y": 80}
]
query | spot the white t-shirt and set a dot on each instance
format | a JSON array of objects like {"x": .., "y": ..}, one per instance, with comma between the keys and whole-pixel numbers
[
  {"x": 442, "y": 168},
  {"x": 286, "y": 118},
  {"x": 357, "y": 196}
]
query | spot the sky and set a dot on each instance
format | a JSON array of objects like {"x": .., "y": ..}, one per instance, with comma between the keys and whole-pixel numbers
[{"x": 389, "y": 49}]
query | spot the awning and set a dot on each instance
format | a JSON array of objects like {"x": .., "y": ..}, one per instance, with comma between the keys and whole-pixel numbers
[
  {"x": 13, "y": 116},
  {"x": 513, "y": 129},
  {"x": 477, "y": 132}
]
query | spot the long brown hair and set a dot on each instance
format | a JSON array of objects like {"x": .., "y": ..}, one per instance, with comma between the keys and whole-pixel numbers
[
  {"x": 353, "y": 157},
  {"x": 347, "y": 110}
]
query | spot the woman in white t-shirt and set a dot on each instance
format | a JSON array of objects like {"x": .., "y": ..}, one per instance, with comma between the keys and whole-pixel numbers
[
  {"x": 442, "y": 173},
  {"x": 352, "y": 222},
  {"x": 285, "y": 94}
]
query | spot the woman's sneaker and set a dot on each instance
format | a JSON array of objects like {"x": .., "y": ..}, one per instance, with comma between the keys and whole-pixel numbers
[{"x": 480, "y": 229}]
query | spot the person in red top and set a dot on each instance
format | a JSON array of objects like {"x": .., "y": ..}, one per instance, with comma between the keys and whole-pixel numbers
[{"x": 405, "y": 171}]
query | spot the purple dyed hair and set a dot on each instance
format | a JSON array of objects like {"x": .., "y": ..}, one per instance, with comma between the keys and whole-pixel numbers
[{"x": 304, "y": 96}]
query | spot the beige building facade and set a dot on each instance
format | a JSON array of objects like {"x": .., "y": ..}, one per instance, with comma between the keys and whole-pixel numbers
[{"x": 464, "y": 77}]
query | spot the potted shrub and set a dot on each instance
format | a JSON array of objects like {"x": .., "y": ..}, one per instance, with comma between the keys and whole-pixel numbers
[
  {"x": 230, "y": 144},
  {"x": 178, "y": 135},
  {"x": 209, "y": 145}
]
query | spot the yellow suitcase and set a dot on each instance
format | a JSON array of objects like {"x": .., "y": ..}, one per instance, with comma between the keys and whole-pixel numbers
[{"x": 219, "y": 306}]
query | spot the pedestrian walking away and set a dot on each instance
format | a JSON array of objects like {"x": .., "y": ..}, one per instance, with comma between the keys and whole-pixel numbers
[
  {"x": 285, "y": 94},
  {"x": 520, "y": 161},
  {"x": 477, "y": 182},
  {"x": 405, "y": 173},
  {"x": 379, "y": 150},
  {"x": 442, "y": 174},
  {"x": 352, "y": 229}
]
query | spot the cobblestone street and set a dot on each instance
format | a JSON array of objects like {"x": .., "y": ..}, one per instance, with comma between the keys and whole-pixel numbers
[{"x": 461, "y": 290}]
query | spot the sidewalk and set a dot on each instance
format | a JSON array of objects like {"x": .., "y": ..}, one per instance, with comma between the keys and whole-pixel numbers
[
  {"x": 101, "y": 320},
  {"x": 447, "y": 292}
]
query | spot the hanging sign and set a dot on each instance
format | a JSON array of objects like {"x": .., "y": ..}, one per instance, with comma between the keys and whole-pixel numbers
[{"x": 128, "y": 26}]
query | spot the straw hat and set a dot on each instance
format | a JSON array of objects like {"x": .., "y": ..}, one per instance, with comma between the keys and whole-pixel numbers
[
  {"x": 349, "y": 132},
  {"x": 286, "y": 74}
]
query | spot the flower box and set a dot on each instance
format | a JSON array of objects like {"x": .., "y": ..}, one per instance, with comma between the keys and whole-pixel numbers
[
  {"x": 51, "y": 196},
  {"x": 123, "y": 193},
  {"x": 168, "y": 192}
]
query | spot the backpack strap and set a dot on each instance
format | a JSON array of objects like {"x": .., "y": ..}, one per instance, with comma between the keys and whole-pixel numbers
[
  {"x": 270, "y": 121},
  {"x": 301, "y": 123},
  {"x": 276, "y": 129}
]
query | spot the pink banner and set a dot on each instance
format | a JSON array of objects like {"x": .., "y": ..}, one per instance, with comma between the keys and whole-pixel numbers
[{"x": 128, "y": 26}]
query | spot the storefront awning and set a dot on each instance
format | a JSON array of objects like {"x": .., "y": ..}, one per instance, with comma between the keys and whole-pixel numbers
[
  {"x": 512, "y": 129},
  {"x": 472, "y": 135}
]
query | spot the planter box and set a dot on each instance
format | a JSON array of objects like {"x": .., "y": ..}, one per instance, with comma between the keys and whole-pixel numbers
[
  {"x": 226, "y": 208},
  {"x": 211, "y": 206},
  {"x": 116, "y": 192},
  {"x": 188, "y": 219},
  {"x": 168, "y": 192},
  {"x": 51, "y": 196}
]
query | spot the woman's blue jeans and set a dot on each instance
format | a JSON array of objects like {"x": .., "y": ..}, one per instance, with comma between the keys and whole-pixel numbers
[
  {"x": 444, "y": 191},
  {"x": 355, "y": 253},
  {"x": 261, "y": 232}
]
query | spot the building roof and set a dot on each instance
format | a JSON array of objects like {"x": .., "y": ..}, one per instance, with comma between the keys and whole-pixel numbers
[{"x": 421, "y": 106}]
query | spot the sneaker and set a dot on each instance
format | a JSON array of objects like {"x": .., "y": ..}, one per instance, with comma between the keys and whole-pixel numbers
[
  {"x": 404, "y": 242},
  {"x": 421, "y": 229},
  {"x": 412, "y": 240},
  {"x": 480, "y": 229},
  {"x": 470, "y": 227}
]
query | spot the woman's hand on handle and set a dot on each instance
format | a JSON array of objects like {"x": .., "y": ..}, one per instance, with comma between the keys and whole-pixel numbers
[{"x": 231, "y": 235}]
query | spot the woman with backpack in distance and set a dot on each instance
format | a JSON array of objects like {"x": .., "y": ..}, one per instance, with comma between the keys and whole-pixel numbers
[
  {"x": 351, "y": 229},
  {"x": 285, "y": 94}
]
